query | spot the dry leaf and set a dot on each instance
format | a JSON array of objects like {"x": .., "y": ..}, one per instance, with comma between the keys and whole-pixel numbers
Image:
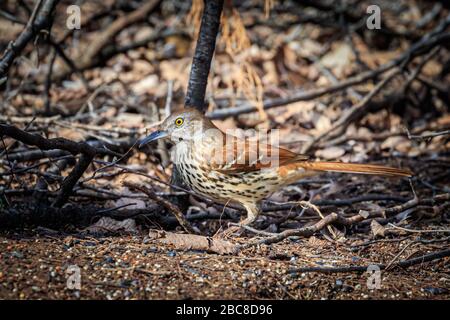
[
  {"x": 143, "y": 33},
  {"x": 143, "y": 67},
  {"x": 298, "y": 110},
  {"x": 330, "y": 153},
  {"x": 363, "y": 213},
  {"x": 316, "y": 242},
  {"x": 130, "y": 120},
  {"x": 321, "y": 123},
  {"x": 377, "y": 229},
  {"x": 306, "y": 48},
  {"x": 71, "y": 134},
  {"x": 146, "y": 85},
  {"x": 183, "y": 241},
  {"x": 398, "y": 143},
  {"x": 180, "y": 43},
  {"x": 9, "y": 30},
  {"x": 106, "y": 224}
]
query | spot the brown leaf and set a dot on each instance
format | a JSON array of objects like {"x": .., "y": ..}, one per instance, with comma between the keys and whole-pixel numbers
[
  {"x": 338, "y": 59},
  {"x": 316, "y": 242},
  {"x": 398, "y": 143},
  {"x": 377, "y": 229},
  {"x": 130, "y": 203}
]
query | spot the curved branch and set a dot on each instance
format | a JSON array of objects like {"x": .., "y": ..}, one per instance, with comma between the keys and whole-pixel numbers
[
  {"x": 40, "y": 19},
  {"x": 87, "y": 152}
]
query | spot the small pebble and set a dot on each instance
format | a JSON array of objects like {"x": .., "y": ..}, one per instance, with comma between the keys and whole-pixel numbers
[{"x": 171, "y": 253}]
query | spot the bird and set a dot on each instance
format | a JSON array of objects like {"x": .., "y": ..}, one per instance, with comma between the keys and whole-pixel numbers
[{"x": 226, "y": 168}]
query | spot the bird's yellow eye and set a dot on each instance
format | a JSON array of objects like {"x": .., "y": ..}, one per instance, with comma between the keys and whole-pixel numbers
[{"x": 179, "y": 121}]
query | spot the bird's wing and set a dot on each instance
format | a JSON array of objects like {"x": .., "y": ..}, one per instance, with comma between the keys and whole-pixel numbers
[{"x": 246, "y": 155}]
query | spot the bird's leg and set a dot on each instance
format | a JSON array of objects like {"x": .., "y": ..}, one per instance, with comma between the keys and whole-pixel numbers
[{"x": 252, "y": 213}]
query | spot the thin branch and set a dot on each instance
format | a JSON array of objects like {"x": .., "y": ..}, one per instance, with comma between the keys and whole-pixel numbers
[
  {"x": 40, "y": 19},
  {"x": 419, "y": 231},
  {"x": 428, "y": 135},
  {"x": 52, "y": 144},
  {"x": 354, "y": 112},
  {"x": 346, "y": 221}
]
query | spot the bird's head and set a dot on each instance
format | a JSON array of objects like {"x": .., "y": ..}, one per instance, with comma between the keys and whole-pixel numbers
[{"x": 188, "y": 124}]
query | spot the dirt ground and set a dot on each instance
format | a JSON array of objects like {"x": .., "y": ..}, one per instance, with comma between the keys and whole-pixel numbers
[
  {"x": 310, "y": 71},
  {"x": 131, "y": 267}
]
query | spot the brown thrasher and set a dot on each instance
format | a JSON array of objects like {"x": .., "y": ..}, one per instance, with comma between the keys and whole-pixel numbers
[{"x": 226, "y": 168}]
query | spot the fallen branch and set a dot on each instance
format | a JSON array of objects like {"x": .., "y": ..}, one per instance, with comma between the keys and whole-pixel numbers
[
  {"x": 26, "y": 215},
  {"x": 419, "y": 231},
  {"x": 403, "y": 264},
  {"x": 302, "y": 232},
  {"x": 167, "y": 204}
]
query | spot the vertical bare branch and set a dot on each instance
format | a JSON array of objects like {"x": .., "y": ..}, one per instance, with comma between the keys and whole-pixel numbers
[
  {"x": 40, "y": 19},
  {"x": 204, "y": 51}
]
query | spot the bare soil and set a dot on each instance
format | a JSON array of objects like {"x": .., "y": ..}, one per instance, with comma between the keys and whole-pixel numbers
[{"x": 130, "y": 267}]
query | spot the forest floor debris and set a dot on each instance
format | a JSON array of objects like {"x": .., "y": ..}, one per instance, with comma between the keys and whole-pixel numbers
[{"x": 134, "y": 267}]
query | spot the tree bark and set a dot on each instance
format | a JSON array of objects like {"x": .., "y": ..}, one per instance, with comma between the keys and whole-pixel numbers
[
  {"x": 201, "y": 63},
  {"x": 204, "y": 51},
  {"x": 41, "y": 19}
]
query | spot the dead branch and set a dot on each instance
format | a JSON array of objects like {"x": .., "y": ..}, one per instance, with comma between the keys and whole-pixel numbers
[
  {"x": 29, "y": 215},
  {"x": 87, "y": 152},
  {"x": 167, "y": 204},
  {"x": 193, "y": 242},
  {"x": 92, "y": 55},
  {"x": 204, "y": 50},
  {"x": 436, "y": 37},
  {"x": 355, "y": 112},
  {"x": 429, "y": 135}
]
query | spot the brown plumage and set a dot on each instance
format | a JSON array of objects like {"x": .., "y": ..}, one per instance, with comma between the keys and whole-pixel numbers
[{"x": 225, "y": 168}]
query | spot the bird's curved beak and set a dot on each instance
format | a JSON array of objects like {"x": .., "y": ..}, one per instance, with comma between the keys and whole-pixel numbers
[{"x": 153, "y": 136}]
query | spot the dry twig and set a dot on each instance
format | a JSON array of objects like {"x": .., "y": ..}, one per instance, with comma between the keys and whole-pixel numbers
[
  {"x": 167, "y": 204},
  {"x": 402, "y": 264}
]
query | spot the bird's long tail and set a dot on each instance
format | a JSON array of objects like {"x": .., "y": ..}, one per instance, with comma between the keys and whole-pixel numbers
[{"x": 354, "y": 168}]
